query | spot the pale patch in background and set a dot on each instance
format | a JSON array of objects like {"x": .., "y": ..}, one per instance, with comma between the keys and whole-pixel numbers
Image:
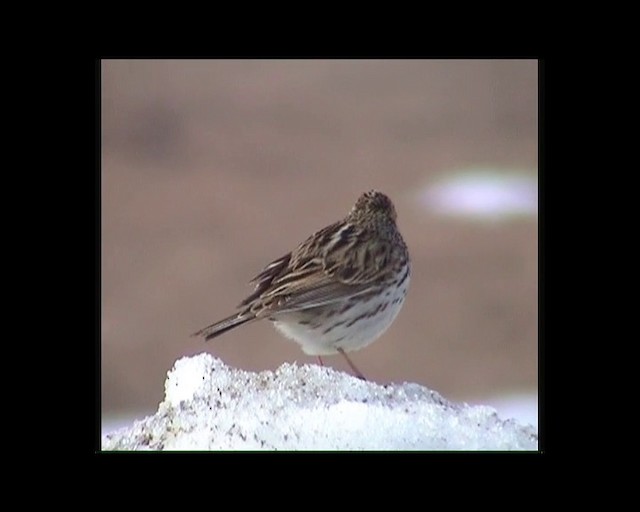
[{"x": 489, "y": 194}]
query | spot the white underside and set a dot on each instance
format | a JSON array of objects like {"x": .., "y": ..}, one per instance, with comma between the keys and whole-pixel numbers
[{"x": 314, "y": 341}]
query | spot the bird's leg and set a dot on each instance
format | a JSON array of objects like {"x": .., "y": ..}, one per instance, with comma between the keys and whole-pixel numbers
[
  {"x": 353, "y": 366},
  {"x": 320, "y": 360}
]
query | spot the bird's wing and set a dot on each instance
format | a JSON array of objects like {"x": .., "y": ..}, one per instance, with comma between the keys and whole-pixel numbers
[
  {"x": 308, "y": 292},
  {"x": 332, "y": 265}
]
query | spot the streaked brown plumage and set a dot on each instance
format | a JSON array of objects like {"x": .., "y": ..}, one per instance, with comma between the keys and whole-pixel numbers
[{"x": 339, "y": 290}]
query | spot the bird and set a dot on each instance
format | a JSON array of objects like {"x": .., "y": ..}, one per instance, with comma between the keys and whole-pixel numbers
[{"x": 339, "y": 290}]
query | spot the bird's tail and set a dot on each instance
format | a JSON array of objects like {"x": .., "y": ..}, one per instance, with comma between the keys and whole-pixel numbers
[{"x": 214, "y": 330}]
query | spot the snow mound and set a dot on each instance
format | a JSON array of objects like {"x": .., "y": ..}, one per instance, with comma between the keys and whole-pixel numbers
[{"x": 210, "y": 406}]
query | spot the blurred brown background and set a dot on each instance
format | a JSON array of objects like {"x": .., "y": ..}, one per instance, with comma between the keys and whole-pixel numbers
[{"x": 211, "y": 169}]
